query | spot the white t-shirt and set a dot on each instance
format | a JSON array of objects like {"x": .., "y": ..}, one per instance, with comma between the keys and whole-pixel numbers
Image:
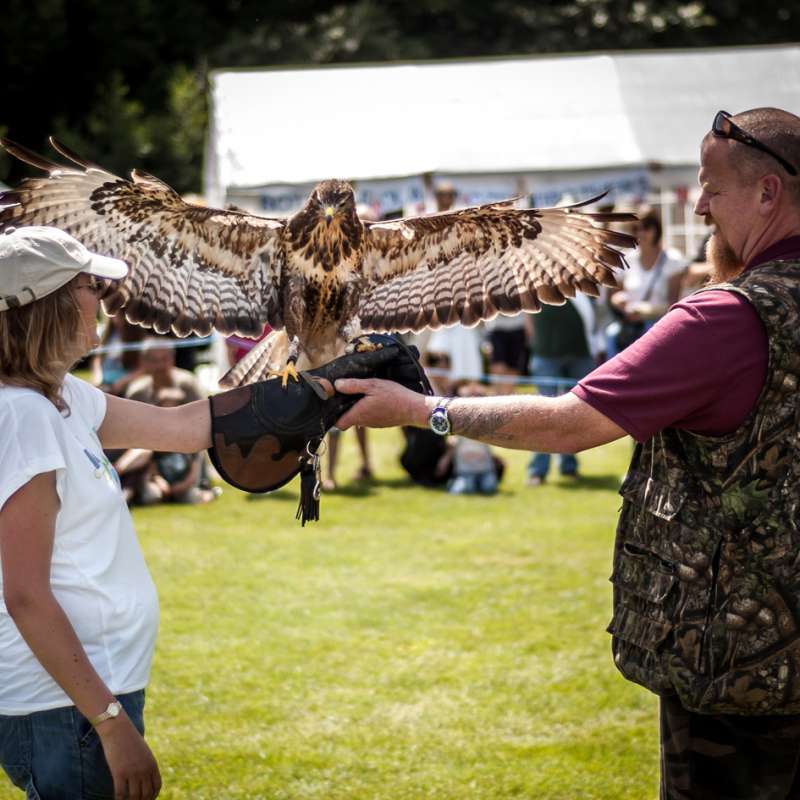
[
  {"x": 637, "y": 280},
  {"x": 463, "y": 346},
  {"x": 97, "y": 574}
]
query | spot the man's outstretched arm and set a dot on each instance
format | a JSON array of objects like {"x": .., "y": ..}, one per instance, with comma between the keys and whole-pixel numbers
[{"x": 563, "y": 424}]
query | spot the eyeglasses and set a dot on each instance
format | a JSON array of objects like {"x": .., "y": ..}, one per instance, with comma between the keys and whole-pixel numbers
[
  {"x": 725, "y": 128},
  {"x": 94, "y": 285}
]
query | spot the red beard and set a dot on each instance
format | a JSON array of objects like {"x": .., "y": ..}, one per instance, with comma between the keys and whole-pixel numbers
[{"x": 725, "y": 264}]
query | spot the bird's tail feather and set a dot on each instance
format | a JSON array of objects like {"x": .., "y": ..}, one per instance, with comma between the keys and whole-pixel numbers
[{"x": 269, "y": 354}]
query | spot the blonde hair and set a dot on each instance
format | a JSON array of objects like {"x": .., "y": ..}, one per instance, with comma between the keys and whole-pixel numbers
[{"x": 37, "y": 344}]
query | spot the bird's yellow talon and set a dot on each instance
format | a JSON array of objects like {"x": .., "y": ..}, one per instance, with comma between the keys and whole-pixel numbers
[
  {"x": 364, "y": 345},
  {"x": 289, "y": 371}
]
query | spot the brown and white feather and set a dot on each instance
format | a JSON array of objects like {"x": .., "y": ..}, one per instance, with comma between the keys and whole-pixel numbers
[
  {"x": 470, "y": 265},
  {"x": 191, "y": 268},
  {"x": 267, "y": 356}
]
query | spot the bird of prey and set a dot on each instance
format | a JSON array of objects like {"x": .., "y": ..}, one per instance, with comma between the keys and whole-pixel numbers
[{"x": 320, "y": 277}]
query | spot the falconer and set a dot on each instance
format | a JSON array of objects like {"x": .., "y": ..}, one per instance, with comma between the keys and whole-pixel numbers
[{"x": 706, "y": 582}]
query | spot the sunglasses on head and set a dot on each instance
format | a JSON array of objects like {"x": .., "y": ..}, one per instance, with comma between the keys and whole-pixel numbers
[{"x": 724, "y": 127}]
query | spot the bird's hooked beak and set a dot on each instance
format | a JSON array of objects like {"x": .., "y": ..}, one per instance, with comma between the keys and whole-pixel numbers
[{"x": 328, "y": 214}]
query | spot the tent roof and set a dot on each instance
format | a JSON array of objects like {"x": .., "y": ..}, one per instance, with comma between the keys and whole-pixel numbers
[{"x": 485, "y": 116}]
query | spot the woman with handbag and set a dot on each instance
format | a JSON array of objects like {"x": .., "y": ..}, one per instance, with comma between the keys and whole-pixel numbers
[{"x": 649, "y": 287}]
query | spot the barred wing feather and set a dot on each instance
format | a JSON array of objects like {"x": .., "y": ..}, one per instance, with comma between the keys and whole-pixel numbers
[
  {"x": 191, "y": 268},
  {"x": 470, "y": 265}
]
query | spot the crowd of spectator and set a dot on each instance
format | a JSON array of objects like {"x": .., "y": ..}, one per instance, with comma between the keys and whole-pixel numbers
[{"x": 147, "y": 372}]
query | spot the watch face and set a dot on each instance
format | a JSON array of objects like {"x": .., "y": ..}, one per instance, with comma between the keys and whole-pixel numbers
[{"x": 439, "y": 422}]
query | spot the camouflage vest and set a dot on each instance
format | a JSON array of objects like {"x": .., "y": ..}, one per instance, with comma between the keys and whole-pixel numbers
[{"x": 707, "y": 556}]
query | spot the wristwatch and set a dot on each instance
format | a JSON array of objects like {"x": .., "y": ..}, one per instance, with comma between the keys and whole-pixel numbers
[
  {"x": 112, "y": 710},
  {"x": 439, "y": 421}
]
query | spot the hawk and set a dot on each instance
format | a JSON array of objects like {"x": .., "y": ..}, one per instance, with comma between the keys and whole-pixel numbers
[{"x": 321, "y": 277}]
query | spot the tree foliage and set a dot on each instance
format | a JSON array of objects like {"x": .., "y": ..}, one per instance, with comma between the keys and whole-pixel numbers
[{"x": 125, "y": 84}]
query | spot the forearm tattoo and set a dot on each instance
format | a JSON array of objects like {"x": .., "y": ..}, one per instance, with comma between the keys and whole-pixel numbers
[{"x": 478, "y": 422}]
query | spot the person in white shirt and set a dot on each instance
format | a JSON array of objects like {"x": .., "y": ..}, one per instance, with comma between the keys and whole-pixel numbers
[
  {"x": 508, "y": 354},
  {"x": 79, "y": 611},
  {"x": 650, "y": 285}
]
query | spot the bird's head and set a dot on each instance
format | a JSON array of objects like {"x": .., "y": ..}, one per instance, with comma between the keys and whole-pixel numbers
[{"x": 333, "y": 200}]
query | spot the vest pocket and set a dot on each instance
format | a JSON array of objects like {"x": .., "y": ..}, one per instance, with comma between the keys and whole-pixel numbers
[
  {"x": 662, "y": 500},
  {"x": 643, "y": 573},
  {"x": 638, "y": 629},
  {"x": 644, "y": 582},
  {"x": 644, "y": 579}
]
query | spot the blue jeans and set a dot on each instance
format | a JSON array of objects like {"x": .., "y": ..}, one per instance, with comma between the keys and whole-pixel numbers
[
  {"x": 475, "y": 483},
  {"x": 57, "y": 755},
  {"x": 572, "y": 369}
]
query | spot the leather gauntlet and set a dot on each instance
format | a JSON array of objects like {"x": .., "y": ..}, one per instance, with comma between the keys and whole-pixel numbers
[{"x": 264, "y": 434}]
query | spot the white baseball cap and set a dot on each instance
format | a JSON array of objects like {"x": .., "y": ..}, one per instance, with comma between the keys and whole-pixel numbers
[{"x": 35, "y": 261}]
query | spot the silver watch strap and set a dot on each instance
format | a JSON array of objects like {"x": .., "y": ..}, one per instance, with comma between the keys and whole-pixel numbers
[{"x": 441, "y": 408}]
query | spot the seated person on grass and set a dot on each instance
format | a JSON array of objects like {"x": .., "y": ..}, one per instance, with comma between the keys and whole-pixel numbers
[{"x": 148, "y": 477}]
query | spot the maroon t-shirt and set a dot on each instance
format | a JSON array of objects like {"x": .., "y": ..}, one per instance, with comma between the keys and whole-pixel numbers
[{"x": 700, "y": 368}]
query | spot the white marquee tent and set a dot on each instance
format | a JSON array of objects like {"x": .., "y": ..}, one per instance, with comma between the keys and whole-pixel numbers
[{"x": 540, "y": 126}]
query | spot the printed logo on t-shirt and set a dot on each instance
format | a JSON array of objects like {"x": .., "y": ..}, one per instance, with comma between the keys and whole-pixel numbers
[{"x": 103, "y": 469}]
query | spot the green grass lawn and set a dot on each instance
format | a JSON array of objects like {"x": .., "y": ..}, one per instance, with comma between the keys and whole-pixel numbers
[{"x": 409, "y": 645}]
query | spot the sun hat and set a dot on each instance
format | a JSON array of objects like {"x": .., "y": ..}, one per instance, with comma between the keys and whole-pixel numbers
[{"x": 35, "y": 261}]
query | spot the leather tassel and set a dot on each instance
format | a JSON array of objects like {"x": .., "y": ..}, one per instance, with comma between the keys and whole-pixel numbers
[{"x": 308, "y": 507}]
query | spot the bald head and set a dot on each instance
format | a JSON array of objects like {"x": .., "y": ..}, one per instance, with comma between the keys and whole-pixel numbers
[
  {"x": 779, "y": 131},
  {"x": 748, "y": 194}
]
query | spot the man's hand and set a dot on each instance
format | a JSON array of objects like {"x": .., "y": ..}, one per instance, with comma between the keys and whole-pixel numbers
[
  {"x": 385, "y": 404},
  {"x": 130, "y": 761}
]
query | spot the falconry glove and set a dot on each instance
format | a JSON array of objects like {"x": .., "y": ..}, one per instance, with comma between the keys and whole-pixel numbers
[{"x": 263, "y": 434}]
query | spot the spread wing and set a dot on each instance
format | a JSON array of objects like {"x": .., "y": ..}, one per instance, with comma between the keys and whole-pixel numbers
[
  {"x": 469, "y": 265},
  {"x": 191, "y": 268}
]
